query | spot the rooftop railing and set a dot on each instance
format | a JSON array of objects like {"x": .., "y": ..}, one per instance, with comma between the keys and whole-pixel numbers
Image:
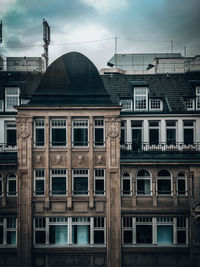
[
  {"x": 144, "y": 146},
  {"x": 8, "y": 147}
]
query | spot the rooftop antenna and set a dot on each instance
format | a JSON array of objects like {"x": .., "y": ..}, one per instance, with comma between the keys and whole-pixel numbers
[
  {"x": 46, "y": 39},
  {"x": 1, "y": 35},
  {"x": 172, "y": 46},
  {"x": 115, "y": 51}
]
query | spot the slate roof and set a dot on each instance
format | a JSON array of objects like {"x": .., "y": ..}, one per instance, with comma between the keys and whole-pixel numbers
[
  {"x": 172, "y": 88},
  {"x": 71, "y": 80},
  {"x": 25, "y": 80}
]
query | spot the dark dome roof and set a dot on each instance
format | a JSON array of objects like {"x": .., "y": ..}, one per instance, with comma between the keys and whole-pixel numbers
[{"x": 71, "y": 80}]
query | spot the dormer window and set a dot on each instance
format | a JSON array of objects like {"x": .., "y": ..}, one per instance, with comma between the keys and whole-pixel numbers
[
  {"x": 126, "y": 104},
  {"x": 189, "y": 104},
  {"x": 198, "y": 97},
  {"x": 141, "y": 99},
  {"x": 11, "y": 98},
  {"x": 155, "y": 104}
]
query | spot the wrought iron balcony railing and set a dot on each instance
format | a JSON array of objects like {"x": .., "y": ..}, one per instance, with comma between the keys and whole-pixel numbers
[
  {"x": 8, "y": 147},
  {"x": 144, "y": 146}
]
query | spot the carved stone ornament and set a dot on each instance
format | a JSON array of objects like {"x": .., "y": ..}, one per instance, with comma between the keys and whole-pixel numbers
[
  {"x": 24, "y": 130},
  {"x": 58, "y": 159},
  {"x": 195, "y": 212},
  {"x": 113, "y": 131}
]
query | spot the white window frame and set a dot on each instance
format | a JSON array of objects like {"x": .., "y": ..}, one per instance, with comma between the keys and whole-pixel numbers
[
  {"x": 127, "y": 225},
  {"x": 101, "y": 226},
  {"x": 41, "y": 228},
  {"x": 39, "y": 123},
  {"x": 138, "y": 94},
  {"x": 189, "y": 103},
  {"x": 129, "y": 178},
  {"x": 39, "y": 175},
  {"x": 181, "y": 177},
  {"x": 80, "y": 123},
  {"x": 198, "y": 97},
  {"x": 144, "y": 178},
  {"x": 98, "y": 176},
  {"x": 99, "y": 124},
  {"x": 61, "y": 124},
  {"x": 14, "y": 127},
  {"x": 80, "y": 173},
  {"x": 159, "y": 178},
  {"x": 126, "y": 104},
  {"x": 123, "y": 128},
  {"x": 171, "y": 127},
  {"x": 58, "y": 173},
  {"x": 153, "y": 104},
  {"x": 12, "y": 96},
  {"x": 157, "y": 127},
  {"x": 11, "y": 179},
  {"x": 6, "y": 229},
  {"x": 1, "y": 105},
  {"x": 57, "y": 221},
  {"x": 189, "y": 127}
]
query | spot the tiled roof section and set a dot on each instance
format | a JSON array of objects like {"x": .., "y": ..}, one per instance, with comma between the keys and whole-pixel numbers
[
  {"x": 26, "y": 81},
  {"x": 172, "y": 88},
  {"x": 71, "y": 80}
]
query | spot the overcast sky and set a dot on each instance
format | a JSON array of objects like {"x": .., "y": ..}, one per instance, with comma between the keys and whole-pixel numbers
[{"x": 141, "y": 26}]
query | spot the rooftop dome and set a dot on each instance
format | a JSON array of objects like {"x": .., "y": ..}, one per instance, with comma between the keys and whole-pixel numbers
[{"x": 71, "y": 80}]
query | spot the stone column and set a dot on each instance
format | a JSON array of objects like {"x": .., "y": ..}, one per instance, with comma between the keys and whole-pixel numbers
[
  {"x": 24, "y": 208},
  {"x": 113, "y": 196}
]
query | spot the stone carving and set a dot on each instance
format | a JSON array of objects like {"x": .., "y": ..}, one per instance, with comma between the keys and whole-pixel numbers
[
  {"x": 58, "y": 159},
  {"x": 80, "y": 159},
  {"x": 100, "y": 160},
  {"x": 24, "y": 130},
  {"x": 195, "y": 211},
  {"x": 113, "y": 130},
  {"x": 38, "y": 159}
]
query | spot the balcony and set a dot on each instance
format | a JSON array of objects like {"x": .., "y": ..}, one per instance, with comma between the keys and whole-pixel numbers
[
  {"x": 161, "y": 152},
  {"x": 8, "y": 154},
  {"x": 8, "y": 148}
]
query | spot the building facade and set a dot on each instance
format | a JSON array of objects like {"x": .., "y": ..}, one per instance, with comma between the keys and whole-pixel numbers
[{"x": 107, "y": 170}]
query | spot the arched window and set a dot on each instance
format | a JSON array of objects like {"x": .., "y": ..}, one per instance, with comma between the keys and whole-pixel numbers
[
  {"x": 1, "y": 184},
  {"x": 181, "y": 184},
  {"x": 164, "y": 182},
  {"x": 143, "y": 183},
  {"x": 11, "y": 184},
  {"x": 126, "y": 184}
]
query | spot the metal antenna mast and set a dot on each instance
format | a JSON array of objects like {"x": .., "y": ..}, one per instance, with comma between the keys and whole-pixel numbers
[{"x": 46, "y": 39}]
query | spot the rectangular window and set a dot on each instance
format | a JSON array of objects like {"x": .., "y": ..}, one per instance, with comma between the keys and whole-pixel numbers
[
  {"x": 58, "y": 132},
  {"x": 127, "y": 233},
  {"x": 181, "y": 185},
  {"x": 126, "y": 104},
  {"x": 99, "y": 132},
  {"x": 136, "y": 127},
  {"x": 40, "y": 230},
  {"x": 126, "y": 184},
  {"x": 171, "y": 132},
  {"x": 99, "y": 182},
  {"x": 81, "y": 230},
  {"x": 155, "y": 104},
  {"x": 39, "y": 182},
  {"x": 99, "y": 230},
  {"x": 11, "y": 98},
  {"x": 80, "y": 182},
  {"x": 165, "y": 231},
  {"x": 144, "y": 230},
  {"x": 8, "y": 231},
  {"x": 80, "y": 133},
  {"x": 182, "y": 226},
  {"x": 58, "y": 182},
  {"x": 1, "y": 104},
  {"x": 39, "y": 132},
  {"x": 140, "y": 99},
  {"x": 197, "y": 97},
  {"x": 189, "y": 104},
  {"x": 58, "y": 231},
  {"x": 188, "y": 131},
  {"x": 164, "y": 186},
  {"x": 154, "y": 132},
  {"x": 11, "y": 133},
  {"x": 143, "y": 186},
  {"x": 11, "y": 185},
  {"x": 123, "y": 133}
]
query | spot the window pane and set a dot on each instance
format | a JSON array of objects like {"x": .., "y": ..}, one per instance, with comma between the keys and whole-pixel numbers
[
  {"x": 99, "y": 237},
  {"x": 181, "y": 236},
  {"x": 40, "y": 237},
  {"x": 128, "y": 238},
  {"x": 126, "y": 187},
  {"x": 99, "y": 187},
  {"x": 144, "y": 234},
  {"x": 58, "y": 137},
  {"x": 11, "y": 237},
  {"x": 188, "y": 136},
  {"x": 153, "y": 136},
  {"x": 80, "y": 185},
  {"x": 12, "y": 187},
  {"x": 99, "y": 137},
  {"x": 11, "y": 137},
  {"x": 58, "y": 185},
  {"x": 39, "y": 137},
  {"x": 181, "y": 186},
  {"x": 81, "y": 234},
  {"x": 80, "y": 137},
  {"x": 143, "y": 187},
  {"x": 136, "y": 139},
  {"x": 171, "y": 136},
  {"x": 58, "y": 234},
  {"x": 1, "y": 234},
  {"x": 164, "y": 186},
  {"x": 165, "y": 234},
  {"x": 39, "y": 187}
]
